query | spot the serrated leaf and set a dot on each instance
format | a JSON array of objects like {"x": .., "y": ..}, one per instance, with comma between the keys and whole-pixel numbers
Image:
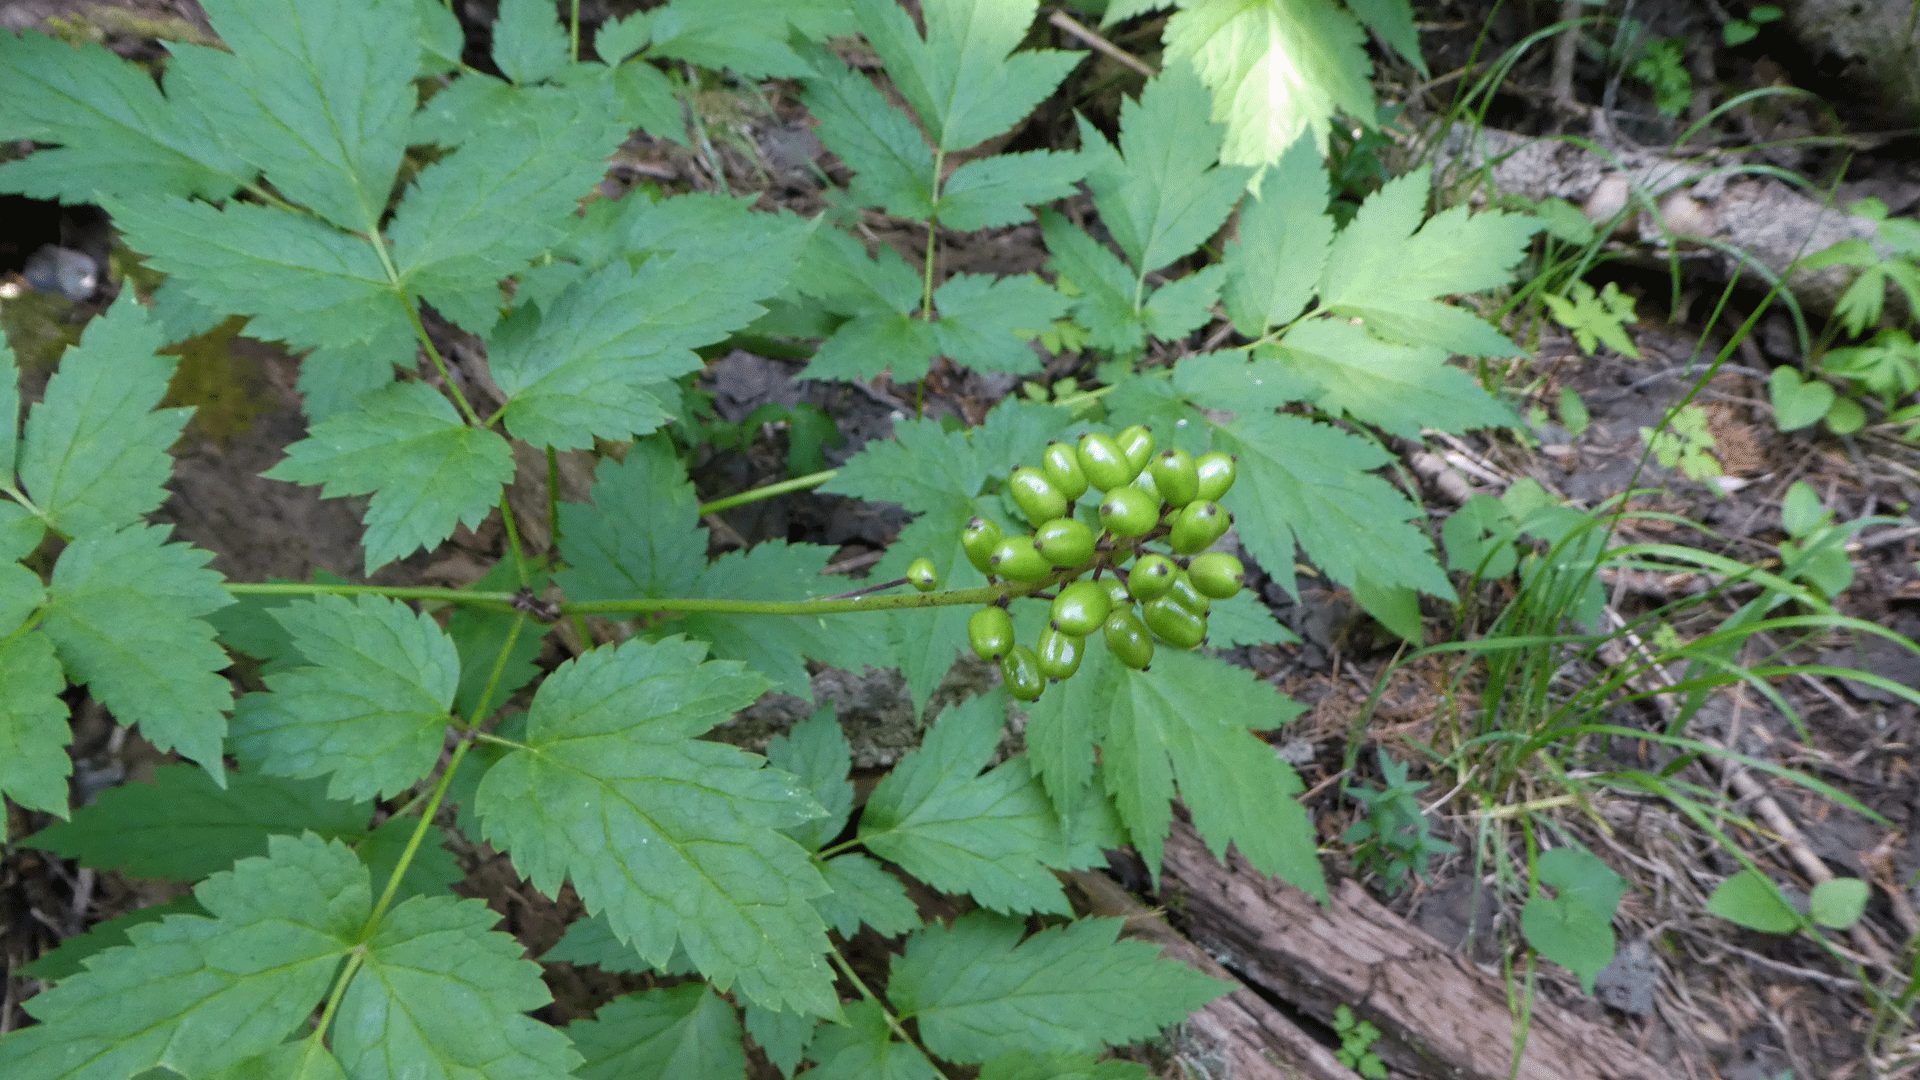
[
  {"x": 639, "y": 537},
  {"x": 816, "y": 751},
  {"x": 784, "y": 1036},
  {"x": 1306, "y": 483},
  {"x": 998, "y": 190},
  {"x": 681, "y": 1031},
  {"x": 1397, "y": 388},
  {"x": 123, "y": 613},
  {"x": 183, "y": 826},
  {"x": 1275, "y": 67},
  {"x": 1393, "y": 21},
  {"x": 33, "y": 722},
  {"x": 479, "y": 635},
  {"x": 427, "y": 470},
  {"x": 197, "y": 994},
  {"x": 529, "y": 44},
  {"x": 675, "y": 838},
  {"x": 616, "y": 39},
  {"x": 94, "y": 456},
  {"x": 1106, "y": 304},
  {"x": 1274, "y": 262},
  {"x": 890, "y": 159},
  {"x": 1231, "y": 382},
  {"x": 1161, "y": 194},
  {"x": 775, "y": 645},
  {"x": 333, "y": 378},
  {"x": 992, "y": 836},
  {"x": 1384, "y": 271},
  {"x": 864, "y": 1049},
  {"x": 864, "y": 893},
  {"x": 1243, "y": 619},
  {"x": 301, "y": 281},
  {"x": 20, "y": 531},
  {"x": 745, "y": 36},
  {"x": 441, "y": 37},
  {"x": 981, "y": 319},
  {"x": 303, "y": 1059},
  {"x": 117, "y": 135},
  {"x": 1183, "y": 305},
  {"x": 433, "y": 870},
  {"x": 68, "y": 958},
  {"x": 371, "y": 708},
  {"x": 316, "y": 94},
  {"x": 441, "y": 991},
  {"x": 591, "y": 941},
  {"x": 978, "y": 991}
]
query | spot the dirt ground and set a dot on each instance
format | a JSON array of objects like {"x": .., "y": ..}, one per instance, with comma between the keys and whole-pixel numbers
[{"x": 1697, "y": 991}]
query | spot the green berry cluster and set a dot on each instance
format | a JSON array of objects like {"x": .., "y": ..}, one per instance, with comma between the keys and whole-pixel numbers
[{"x": 1168, "y": 498}]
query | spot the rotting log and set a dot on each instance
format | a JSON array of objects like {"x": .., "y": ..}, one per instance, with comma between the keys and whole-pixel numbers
[{"x": 1439, "y": 1014}]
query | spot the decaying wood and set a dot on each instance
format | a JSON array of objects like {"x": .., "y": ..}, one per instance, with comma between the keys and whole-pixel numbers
[
  {"x": 1702, "y": 207},
  {"x": 1440, "y": 1015},
  {"x": 1238, "y": 1037}
]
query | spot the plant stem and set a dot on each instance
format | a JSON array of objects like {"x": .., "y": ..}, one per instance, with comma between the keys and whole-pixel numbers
[
  {"x": 573, "y": 31},
  {"x": 553, "y": 503},
  {"x": 986, "y": 594},
  {"x": 419, "y": 834},
  {"x": 867, "y": 992},
  {"x": 497, "y": 600},
  {"x": 499, "y": 665},
  {"x": 798, "y": 483},
  {"x": 513, "y": 542}
]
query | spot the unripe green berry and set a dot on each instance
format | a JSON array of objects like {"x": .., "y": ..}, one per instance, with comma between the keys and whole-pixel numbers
[
  {"x": 1175, "y": 476},
  {"x": 921, "y": 575},
  {"x": 1187, "y": 596},
  {"x": 1215, "y": 472},
  {"x": 1137, "y": 443},
  {"x": 1197, "y": 526},
  {"x": 1129, "y": 512},
  {"x": 1217, "y": 574},
  {"x": 1062, "y": 465},
  {"x": 1127, "y": 639},
  {"x": 990, "y": 632},
  {"x": 1060, "y": 653},
  {"x": 1065, "y": 542},
  {"x": 1021, "y": 670},
  {"x": 1103, "y": 462},
  {"x": 1036, "y": 495},
  {"x": 1081, "y": 608},
  {"x": 1117, "y": 593},
  {"x": 1145, "y": 482},
  {"x": 1017, "y": 559},
  {"x": 1150, "y": 577},
  {"x": 978, "y": 541},
  {"x": 1173, "y": 623}
]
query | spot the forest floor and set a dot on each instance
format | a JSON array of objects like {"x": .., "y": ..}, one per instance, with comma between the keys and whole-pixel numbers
[{"x": 1706, "y": 997}]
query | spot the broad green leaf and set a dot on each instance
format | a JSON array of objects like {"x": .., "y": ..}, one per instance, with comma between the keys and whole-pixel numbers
[
  {"x": 1754, "y": 902},
  {"x": 759, "y": 249},
  {"x": 864, "y": 1049},
  {"x": 978, "y": 991},
  {"x": 183, "y": 826},
  {"x": 591, "y": 941},
  {"x": 440, "y": 994},
  {"x": 960, "y": 79},
  {"x": 117, "y": 135},
  {"x": 778, "y": 645},
  {"x": 301, "y": 281},
  {"x": 197, "y": 994},
  {"x": 1389, "y": 274},
  {"x": 616, "y": 39},
  {"x": 892, "y": 165},
  {"x": 675, "y": 838},
  {"x": 302, "y": 1059},
  {"x": 784, "y": 1036},
  {"x": 992, "y": 836},
  {"x": 529, "y": 44},
  {"x": 1024, "y": 1065},
  {"x": 1306, "y": 483},
  {"x": 1167, "y": 195},
  {"x": 427, "y": 470},
  {"x": 20, "y": 531},
  {"x": 681, "y": 1031},
  {"x": 1183, "y": 305},
  {"x": 68, "y": 958},
  {"x": 95, "y": 452},
  {"x": 1274, "y": 262},
  {"x": 817, "y": 752},
  {"x": 836, "y": 269},
  {"x": 479, "y": 635},
  {"x": 865, "y": 893},
  {"x": 316, "y": 94},
  {"x": 1400, "y": 389},
  {"x": 9, "y": 413},
  {"x": 1393, "y": 21},
  {"x": 333, "y": 378},
  {"x": 1575, "y": 928},
  {"x": 1276, "y": 68},
  {"x": 640, "y": 535},
  {"x": 1244, "y": 619},
  {"x": 1119, "y": 10},
  {"x": 746, "y": 36},
  {"x": 441, "y": 38},
  {"x": 1231, "y": 382},
  {"x": 1797, "y": 404},
  {"x": 1577, "y": 873},
  {"x": 1839, "y": 902},
  {"x": 875, "y": 342},
  {"x": 981, "y": 320},
  {"x": 1107, "y": 305},
  {"x": 370, "y": 710},
  {"x": 33, "y": 722},
  {"x": 993, "y": 191},
  {"x": 123, "y": 613}
]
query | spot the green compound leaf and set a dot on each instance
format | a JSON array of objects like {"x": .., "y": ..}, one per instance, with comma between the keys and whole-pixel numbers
[
  {"x": 301, "y": 281},
  {"x": 675, "y": 838},
  {"x": 1575, "y": 928},
  {"x": 1398, "y": 388},
  {"x": 95, "y": 453},
  {"x": 197, "y": 994},
  {"x": 371, "y": 708},
  {"x": 316, "y": 94},
  {"x": 117, "y": 134},
  {"x": 427, "y": 470},
  {"x": 993, "y": 836},
  {"x": 591, "y": 941},
  {"x": 640, "y": 537},
  {"x": 784, "y": 1036},
  {"x": 67, "y": 959},
  {"x": 529, "y": 44},
  {"x": 123, "y": 613},
  {"x": 979, "y": 991},
  {"x": 183, "y": 826},
  {"x": 1161, "y": 194},
  {"x": 778, "y": 645},
  {"x": 33, "y": 720},
  {"x": 682, "y": 1031},
  {"x": 1276, "y": 68},
  {"x": 892, "y": 165},
  {"x": 1274, "y": 263},
  {"x": 864, "y": 1049},
  {"x": 817, "y": 752},
  {"x": 961, "y": 80},
  {"x": 746, "y": 36},
  {"x": 999, "y": 190},
  {"x": 864, "y": 892},
  {"x": 1309, "y": 483},
  {"x": 1384, "y": 271},
  {"x": 1107, "y": 287},
  {"x": 440, "y": 994},
  {"x": 984, "y": 322}
]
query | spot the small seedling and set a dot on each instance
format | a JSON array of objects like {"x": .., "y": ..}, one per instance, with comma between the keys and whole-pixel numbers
[{"x": 1356, "y": 1039}]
